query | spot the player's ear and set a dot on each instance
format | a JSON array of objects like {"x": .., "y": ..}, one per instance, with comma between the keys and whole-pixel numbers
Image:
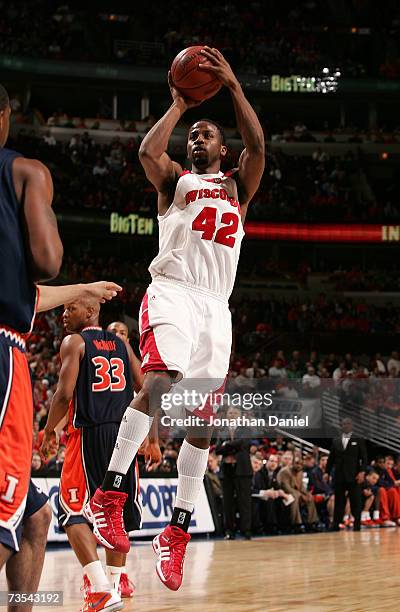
[{"x": 224, "y": 151}]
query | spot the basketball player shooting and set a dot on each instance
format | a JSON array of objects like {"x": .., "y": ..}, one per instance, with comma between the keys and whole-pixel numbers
[{"x": 186, "y": 330}]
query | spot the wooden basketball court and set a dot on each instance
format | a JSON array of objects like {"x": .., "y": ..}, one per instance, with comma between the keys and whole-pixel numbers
[{"x": 332, "y": 572}]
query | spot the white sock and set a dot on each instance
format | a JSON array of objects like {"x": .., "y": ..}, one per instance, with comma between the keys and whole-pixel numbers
[
  {"x": 113, "y": 575},
  {"x": 123, "y": 569},
  {"x": 346, "y": 517},
  {"x": 365, "y": 516},
  {"x": 97, "y": 577},
  {"x": 376, "y": 515},
  {"x": 191, "y": 465},
  {"x": 135, "y": 426}
]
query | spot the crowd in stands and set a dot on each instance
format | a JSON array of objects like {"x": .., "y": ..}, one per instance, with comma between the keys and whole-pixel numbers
[
  {"x": 356, "y": 279},
  {"x": 260, "y": 316},
  {"x": 259, "y": 37},
  {"x": 280, "y": 471},
  {"x": 318, "y": 188}
]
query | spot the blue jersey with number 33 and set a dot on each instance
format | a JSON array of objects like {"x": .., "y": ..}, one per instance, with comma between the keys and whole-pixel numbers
[{"x": 104, "y": 386}]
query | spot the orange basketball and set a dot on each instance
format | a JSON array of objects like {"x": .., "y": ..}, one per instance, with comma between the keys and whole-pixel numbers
[{"x": 191, "y": 81}]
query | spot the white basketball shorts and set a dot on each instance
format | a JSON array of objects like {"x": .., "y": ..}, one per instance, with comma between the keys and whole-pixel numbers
[{"x": 185, "y": 329}]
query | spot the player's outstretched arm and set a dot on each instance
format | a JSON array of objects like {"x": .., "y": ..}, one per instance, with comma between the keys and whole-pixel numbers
[
  {"x": 71, "y": 352},
  {"x": 252, "y": 159},
  {"x": 51, "y": 297},
  {"x": 34, "y": 189},
  {"x": 159, "y": 167}
]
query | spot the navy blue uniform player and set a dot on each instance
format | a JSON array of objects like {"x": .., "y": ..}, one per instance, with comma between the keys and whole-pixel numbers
[
  {"x": 94, "y": 388},
  {"x": 30, "y": 251}
]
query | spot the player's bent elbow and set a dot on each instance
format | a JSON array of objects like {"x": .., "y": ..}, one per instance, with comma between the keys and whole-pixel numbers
[
  {"x": 47, "y": 263},
  {"x": 143, "y": 152}
]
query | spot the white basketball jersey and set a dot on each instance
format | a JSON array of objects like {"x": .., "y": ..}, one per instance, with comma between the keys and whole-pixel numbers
[{"x": 201, "y": 233}]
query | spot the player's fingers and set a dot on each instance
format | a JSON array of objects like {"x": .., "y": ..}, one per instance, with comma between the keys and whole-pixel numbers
[
  {"x": 113, "y": 287},
  {"x": 208, "y": 67},
  {"x": 209, "y": 55}
]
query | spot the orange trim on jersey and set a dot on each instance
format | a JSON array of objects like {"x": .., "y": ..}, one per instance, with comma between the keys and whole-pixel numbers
[{"x": 14, "y": 336}]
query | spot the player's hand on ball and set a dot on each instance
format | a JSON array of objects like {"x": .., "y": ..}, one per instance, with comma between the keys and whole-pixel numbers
[
  {"x": 179, "y": 99},
  {"x": 102, "y": 291},
  {"x": 219, "y": 66},
  {"x": 49, "y": 442}
]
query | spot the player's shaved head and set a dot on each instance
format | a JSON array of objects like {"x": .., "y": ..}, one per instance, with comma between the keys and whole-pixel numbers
[
  {"x": 89, "y": 303},
  {"x": 80, "y": 314}
]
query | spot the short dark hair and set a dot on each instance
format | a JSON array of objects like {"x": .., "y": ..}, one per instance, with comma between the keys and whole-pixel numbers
[
  {"x": 4, "y": 99},
  {"x": 217, "y": 125}
]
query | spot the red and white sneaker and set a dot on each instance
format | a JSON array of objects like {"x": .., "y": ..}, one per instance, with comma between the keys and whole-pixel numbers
[
  {"x": 104, "y": 600},
  {"x": 87, "y": 586},
  {"x": 126, "y": 587},
  {"x": 170, "y": 547},
  {"x": 105, "y": 512}
]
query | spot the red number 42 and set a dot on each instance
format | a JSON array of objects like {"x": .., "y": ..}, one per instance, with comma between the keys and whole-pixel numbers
[
  {"x": 206, "y": 222},
  {"x": 115, "y": 380}
]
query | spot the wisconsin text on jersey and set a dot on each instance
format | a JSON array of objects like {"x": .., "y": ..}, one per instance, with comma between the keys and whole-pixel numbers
[{"x": 214, "y": 194}]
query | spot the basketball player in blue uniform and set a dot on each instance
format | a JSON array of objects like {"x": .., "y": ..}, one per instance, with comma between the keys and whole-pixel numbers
[
  {"x": 96, "y": 379},
  {"x": 30, "y": 251}
]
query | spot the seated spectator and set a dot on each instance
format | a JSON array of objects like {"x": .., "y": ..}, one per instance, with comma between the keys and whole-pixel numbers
[
  {"x": 36, "y": 465},
  {"x": 370, "y": 499},
  {"x": 286, "y": 459},
  {"x": 311, "y": 381},
  {"x": 268, "y": 508},
  {"x": 100, "y": 168},
  {"x": 308, "y": 466},
  {"x": 393, "y": 365},
  {"x": 279, "y": 444},
  {"x": 320, "y": 486},
  {"x": 290, "y": 479},
  {"x": 277, "y": 370},
  {"x": 49, "y": 139},
  {"x": 389, "y": 506}
]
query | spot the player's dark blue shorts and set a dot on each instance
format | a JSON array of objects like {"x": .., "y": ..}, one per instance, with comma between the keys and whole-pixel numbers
[
  {"x": 35, "y": 500},
  {"x": 87, "y": 456}
]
